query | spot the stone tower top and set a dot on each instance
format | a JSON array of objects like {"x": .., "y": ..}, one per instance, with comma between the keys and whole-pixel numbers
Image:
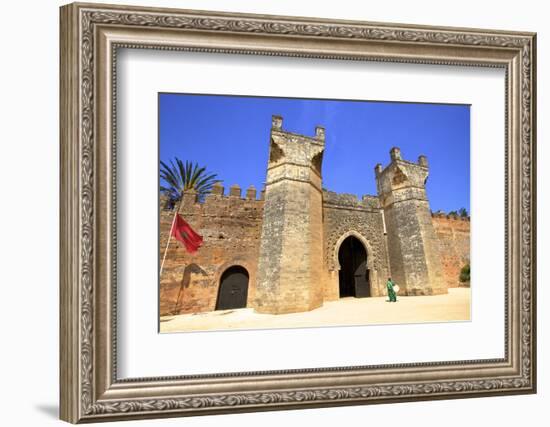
[
  {"x": 289, "y": 151},
  {"x": 277, "y": 127},
  {"x": 400, "y": 174}
]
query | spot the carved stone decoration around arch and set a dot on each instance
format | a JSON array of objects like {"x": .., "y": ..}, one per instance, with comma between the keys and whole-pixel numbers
[
  {"x": 371, "y": 257},
  {"x": 362, "y": 239},
  {"x": 364, "y": 226}
]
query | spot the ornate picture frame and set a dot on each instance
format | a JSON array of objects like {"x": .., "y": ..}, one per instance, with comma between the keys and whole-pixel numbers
[{"x": 90, "y": 37}]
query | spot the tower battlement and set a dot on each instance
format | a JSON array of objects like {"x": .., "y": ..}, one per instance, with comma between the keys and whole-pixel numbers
[
  {"x": 451, "y": 216},
  {"x": 235, "y": 191},
  {"x": 402, "y": 175},
  {"x": 293, "y": 156},
  {"x": 217, "y": 203},
  {"x": 277, "y": 128}
]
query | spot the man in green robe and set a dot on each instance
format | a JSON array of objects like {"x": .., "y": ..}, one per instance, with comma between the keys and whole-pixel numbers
[{"x": 391, "y": 292}]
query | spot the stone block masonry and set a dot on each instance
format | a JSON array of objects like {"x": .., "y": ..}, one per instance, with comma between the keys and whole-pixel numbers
[
  {"x": 291, "y": 249},
  {"x": 413, "y": 245}
]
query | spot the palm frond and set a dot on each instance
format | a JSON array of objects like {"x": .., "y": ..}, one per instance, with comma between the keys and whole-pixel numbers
[{"x": 179, "y": 176}]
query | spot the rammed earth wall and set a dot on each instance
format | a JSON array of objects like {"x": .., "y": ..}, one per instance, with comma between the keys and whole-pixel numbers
[
  {"x": 230, "y": 227},
  {"x": 453, "y": 234}
]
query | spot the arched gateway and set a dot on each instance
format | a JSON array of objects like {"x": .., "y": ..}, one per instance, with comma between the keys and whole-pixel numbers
[
  {"x": 353, "y": 277},
  {"x": 233, "y": 290}
]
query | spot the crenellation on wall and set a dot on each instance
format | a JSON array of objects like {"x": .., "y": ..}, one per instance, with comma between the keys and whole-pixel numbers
[
  {"x": 451, "y": 216},
  {"x": 347, "y": 201}
]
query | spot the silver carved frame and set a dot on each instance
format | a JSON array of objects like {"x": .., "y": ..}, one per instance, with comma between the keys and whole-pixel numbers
[{"x": 90, "y": 36}]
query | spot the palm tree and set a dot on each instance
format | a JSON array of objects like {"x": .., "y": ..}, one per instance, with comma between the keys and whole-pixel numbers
[{"x": 178, "y": 177}]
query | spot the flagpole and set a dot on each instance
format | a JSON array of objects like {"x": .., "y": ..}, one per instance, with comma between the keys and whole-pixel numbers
[
  {"x": 182, "y": 285},
  {"x": 169, "y": 237}
]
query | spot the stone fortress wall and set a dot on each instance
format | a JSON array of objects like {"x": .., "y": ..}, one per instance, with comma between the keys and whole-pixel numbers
[{"x": 288, "y": 237}]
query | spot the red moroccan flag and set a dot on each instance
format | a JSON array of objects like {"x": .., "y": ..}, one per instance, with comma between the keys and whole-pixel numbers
[{"x": 183, "y": 232}]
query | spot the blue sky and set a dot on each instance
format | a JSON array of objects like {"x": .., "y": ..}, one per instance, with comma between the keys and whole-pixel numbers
[{"x": 230, "y": 136}]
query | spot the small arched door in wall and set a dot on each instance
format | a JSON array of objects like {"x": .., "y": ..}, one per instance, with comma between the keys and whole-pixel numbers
[
  {"x": 233, "y": 290},
  {"x": 354, "y": 280}
]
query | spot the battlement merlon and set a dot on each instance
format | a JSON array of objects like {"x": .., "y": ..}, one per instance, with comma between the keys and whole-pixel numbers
[{"x": 402, "y": 174}]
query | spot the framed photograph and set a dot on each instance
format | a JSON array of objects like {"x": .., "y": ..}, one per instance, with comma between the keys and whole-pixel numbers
[{"x": 268, "y": 212}]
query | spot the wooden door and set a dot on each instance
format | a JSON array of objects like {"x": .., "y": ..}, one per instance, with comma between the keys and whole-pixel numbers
[{"x": 233, "y": 290}]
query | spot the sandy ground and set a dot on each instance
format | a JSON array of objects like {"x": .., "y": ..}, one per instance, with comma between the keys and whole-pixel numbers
[{"x": 454, "y": 306}]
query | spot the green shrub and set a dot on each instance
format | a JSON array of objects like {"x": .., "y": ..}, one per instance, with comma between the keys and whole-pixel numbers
[{"x": 465, "y": 273}]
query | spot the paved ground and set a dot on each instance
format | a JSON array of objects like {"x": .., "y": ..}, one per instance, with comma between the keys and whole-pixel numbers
[{"x": 453, "y": 306}]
